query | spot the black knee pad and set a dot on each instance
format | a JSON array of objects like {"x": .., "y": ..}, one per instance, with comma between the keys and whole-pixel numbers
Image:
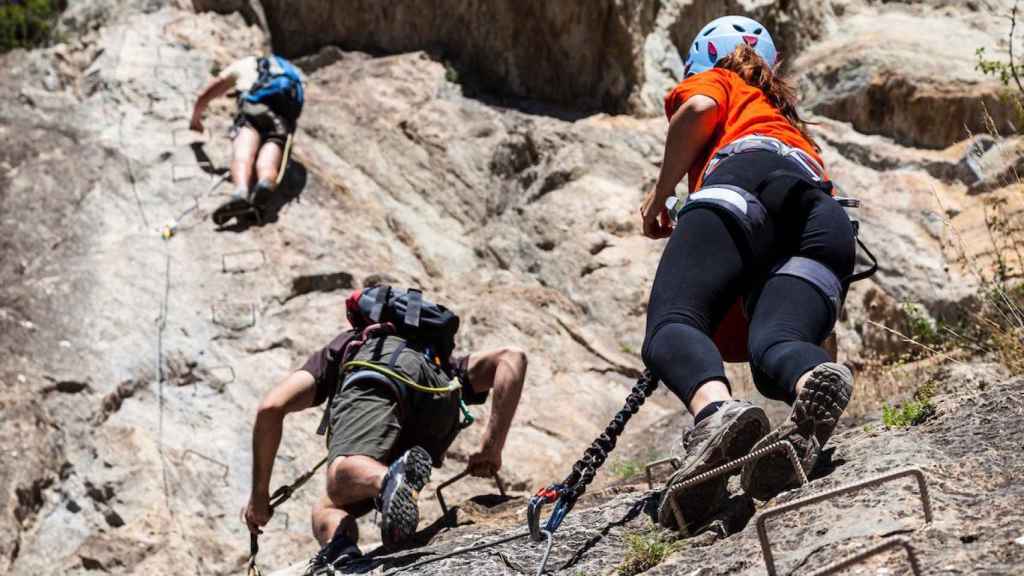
[
  {"x": 818, "y": 275},
  {"x": 767, "y": 386}
]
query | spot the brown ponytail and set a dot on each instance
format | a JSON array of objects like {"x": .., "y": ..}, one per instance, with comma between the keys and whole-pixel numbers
[{"x": 746, "y": 63}]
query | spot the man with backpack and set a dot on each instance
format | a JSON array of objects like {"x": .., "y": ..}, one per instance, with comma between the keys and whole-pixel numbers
[
  {"x": 395, "y": 395},
  {"x": 270, "y": 99}
]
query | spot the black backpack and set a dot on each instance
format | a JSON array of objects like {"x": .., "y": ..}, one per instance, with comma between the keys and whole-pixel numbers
[
  {"x": 423, "y": 325},
  {"x": 426, "y": 326}
]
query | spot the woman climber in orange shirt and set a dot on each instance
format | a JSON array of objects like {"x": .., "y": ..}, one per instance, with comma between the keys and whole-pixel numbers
[{"x": 760, "y": 227}]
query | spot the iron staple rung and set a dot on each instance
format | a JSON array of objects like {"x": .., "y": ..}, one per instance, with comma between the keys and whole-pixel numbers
[
  {"x": 863, "y": 555},
  {"x": 762, "y": 520},
  {"x": 740, "y": 462}
]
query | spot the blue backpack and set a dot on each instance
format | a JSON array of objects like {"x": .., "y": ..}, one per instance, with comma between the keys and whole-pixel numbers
[{"x": 279, "y": 86}]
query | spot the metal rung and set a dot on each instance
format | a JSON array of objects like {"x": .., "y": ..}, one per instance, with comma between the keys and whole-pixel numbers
[
  {"x": 214, "y": 461},
  {"x": 859, "y": 557},
  {"x": 244, "y": 261},
  {"x": 234, "y": 316},
  {"x": 782, "y": 445},
  {"x": 649, "y": 469},
  {"x": 456, "y": 478},
  {"x": 762, "y": 521},
  {"x": 847, "y": 202}
]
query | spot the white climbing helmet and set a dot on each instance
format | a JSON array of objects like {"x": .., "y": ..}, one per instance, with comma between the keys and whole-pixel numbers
[{"x": 721, "y": 37}]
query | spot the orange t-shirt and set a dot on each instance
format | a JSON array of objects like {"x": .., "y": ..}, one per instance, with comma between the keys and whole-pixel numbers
[{"x": 745, "y": 111}]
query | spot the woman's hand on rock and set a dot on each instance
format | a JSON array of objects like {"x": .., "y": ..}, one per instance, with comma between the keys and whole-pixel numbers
[{"x": 655, "y": 221}]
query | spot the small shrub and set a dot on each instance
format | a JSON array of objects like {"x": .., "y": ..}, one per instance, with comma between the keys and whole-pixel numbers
[
  {"x": 644, "y": 551},
  {"x": 909, "y": 414},
  {"x": 27, "y": 23},
  {"x": 920, "y": 328},
  {"x": 913, "y": 412}
]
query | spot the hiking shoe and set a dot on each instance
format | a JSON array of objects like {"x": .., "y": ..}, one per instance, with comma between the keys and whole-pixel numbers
[
  {"x": 335, "y": 554},
  {"x": 261, "y": 193},
  {"x": 397, "y": 500},
  {"x": 234, "y": 206},
  {"x": 726, "y": 435},
  {"x": 812, "y": 421}
]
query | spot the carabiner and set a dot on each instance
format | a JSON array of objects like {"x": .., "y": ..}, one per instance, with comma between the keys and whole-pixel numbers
[{"x": 536, "y": 505}]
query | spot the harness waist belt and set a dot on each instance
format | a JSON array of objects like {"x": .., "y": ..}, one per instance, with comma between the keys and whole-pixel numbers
[{"x": 757, "y": 143}]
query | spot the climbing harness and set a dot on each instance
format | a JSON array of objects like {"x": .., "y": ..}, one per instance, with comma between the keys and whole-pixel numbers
[
  {"x": 565, "y": 494},
  {"x": 279, "y": 497}
]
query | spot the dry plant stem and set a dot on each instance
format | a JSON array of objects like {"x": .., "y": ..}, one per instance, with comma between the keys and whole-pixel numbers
[
  {"x": 1013, "y": 66},
  {"x": 910, "y": 340}
]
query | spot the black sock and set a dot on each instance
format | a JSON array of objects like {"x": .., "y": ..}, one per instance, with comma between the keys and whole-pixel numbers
[{"x": 707, "y": 411}]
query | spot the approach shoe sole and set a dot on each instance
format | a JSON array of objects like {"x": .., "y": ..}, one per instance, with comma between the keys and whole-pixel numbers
[
  {"x": 811, "y": 423},
  {"x": 234, "y": 208},
  {"x": 399, "y": 511},
  {"x": 698, "y": 503}
]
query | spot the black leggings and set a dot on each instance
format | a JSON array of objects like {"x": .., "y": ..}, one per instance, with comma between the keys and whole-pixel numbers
[{"x": 706, "y": 266}]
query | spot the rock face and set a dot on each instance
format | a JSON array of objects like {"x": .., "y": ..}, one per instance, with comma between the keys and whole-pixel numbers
[
  {"x": 582, "y": 54},
  {"x": 132, "y": 365},
  {"x": 916, "y": 83}
]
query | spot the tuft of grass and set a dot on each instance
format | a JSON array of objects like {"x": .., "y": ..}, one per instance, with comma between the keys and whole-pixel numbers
[
  {"x": 645, "y": 550},
  {"x": 627, "y": 469},
  {"x": 912, "y": 412},
  {"x": 909, "y": 414},
  {"x": 27, "y": 23}
]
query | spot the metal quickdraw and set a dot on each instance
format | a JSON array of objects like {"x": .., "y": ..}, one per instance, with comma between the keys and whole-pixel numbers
[{"x": 565, "y": 494}]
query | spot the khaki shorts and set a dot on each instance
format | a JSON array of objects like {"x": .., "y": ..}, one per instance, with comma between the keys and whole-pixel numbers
[
  {"x": 271, "y": 126},
  {"x": 367, "y": 419}
]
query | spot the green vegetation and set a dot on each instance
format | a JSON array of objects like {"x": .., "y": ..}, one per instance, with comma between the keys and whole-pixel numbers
[
  {"x": 451, "y": 74},
  {"x": 627, "y": 469},
  {"x": 632, "y": 467},
  {"x": 645, "y": 550},
  {"x": 913, "y": 412},
  {"x": 27, "y": 23},
  {"x": 920, "y": 327}
]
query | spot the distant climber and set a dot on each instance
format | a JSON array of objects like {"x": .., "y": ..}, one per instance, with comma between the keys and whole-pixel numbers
[
  {"x": 394, "y": 390},
  {"x": 760, "y": 227},
  {"x": 270, "y": 99}
]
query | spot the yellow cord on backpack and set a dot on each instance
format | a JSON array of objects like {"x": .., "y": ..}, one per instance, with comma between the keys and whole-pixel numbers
[{"x": 451, "y": 387}]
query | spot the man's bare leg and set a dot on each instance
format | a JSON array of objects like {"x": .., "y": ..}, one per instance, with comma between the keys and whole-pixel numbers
[
  {"x": 268, "y": 163},
  {"x": 328, "y": 519},
  {"x": 245, "y": 147},
  {"x": 350, "y": 479}
]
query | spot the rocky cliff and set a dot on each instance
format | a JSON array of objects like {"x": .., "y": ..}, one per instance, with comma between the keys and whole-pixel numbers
[{"x": 461, "y": 147}]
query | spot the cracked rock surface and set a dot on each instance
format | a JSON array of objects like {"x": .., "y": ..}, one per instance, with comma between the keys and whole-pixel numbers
[{"x": 131, "y": 365}]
